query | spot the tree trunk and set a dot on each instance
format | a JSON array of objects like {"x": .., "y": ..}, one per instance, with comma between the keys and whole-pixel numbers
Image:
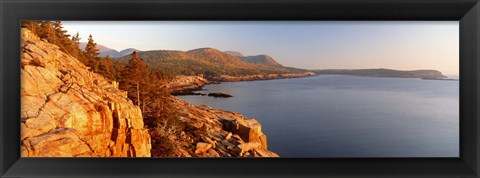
[
  {"x": 143, "y": 104},
  {"x": 138, "y": 95}
]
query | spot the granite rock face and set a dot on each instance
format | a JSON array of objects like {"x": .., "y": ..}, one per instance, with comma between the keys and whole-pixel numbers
[
  {"x": 228, "y": 134},
  {"x": 69, "y": 111}
]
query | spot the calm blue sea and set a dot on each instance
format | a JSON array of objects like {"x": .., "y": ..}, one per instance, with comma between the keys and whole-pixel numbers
[{"x": 348, "y": 116}]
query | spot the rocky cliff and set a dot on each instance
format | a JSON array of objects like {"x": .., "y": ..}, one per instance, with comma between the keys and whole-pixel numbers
[
  {"x": 69, "y": 111},
  {"x": 228, "y": 134}
]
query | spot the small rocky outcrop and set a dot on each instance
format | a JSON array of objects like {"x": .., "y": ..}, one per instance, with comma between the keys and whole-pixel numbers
[
  {"x": 186, "y": 85},
  {"x": 69, "y": 111},
  {"x": 220, "y": 95}
]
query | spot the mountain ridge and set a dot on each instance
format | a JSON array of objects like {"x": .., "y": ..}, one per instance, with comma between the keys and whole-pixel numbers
[
  {"x": 255, "y": 59},
  {"x": 107, "y": 51},
  {"x": 210, "y": 62}
]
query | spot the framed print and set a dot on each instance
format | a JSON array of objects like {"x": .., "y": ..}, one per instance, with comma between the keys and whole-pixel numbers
[{"x": 240, "y": 88}]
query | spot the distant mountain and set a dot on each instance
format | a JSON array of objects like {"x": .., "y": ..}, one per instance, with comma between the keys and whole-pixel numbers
[
  {"x": 116, "y": 54},
  {"x": 216, "y": 56},
  {"x": 258, "y": 59},
  {"x": 427, "y": 74},
  {"x": 261, "y": 59},
  {"x": 234, "y": 53},
  {"x": 127, "y": 51},
  {"x": 100, "y": 47},
  {"x": 208, "y": 61},
  {"x": 111, "y": 53},
  {"x": 104, "y": 51}
]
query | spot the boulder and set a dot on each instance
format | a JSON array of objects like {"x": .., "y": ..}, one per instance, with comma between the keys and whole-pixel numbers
[
  {"x": 229, "y": 135},
  {"x": 202, "y": 147},
  {"x": 249, "y": 130}
]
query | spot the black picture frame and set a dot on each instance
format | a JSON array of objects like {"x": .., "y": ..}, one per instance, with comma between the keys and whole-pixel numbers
[{"x": 467, "y": 12}]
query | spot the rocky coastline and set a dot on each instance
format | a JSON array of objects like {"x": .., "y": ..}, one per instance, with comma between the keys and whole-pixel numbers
[
  {"x": 69, "y": 111},
  {"x": 228, "y": 78},
  {"x": 228, "y": 134},
  {"x": 188, "y": 85}
]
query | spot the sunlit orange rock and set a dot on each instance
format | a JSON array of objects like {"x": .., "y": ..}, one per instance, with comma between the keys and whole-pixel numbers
[{"x": 69, "y": 111}]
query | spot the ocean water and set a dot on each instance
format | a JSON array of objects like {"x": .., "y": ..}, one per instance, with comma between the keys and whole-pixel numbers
[{"x": 348, "y": 116}]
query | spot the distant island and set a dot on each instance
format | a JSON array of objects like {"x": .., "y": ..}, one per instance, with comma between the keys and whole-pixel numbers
[{"x": 423, "y": 74}]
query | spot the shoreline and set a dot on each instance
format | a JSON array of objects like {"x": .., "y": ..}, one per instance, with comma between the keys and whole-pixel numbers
[
  {"x": 188, "y": 85},
  {"x": 228, "y": 78},
  {"x": 227, "y": 133}
]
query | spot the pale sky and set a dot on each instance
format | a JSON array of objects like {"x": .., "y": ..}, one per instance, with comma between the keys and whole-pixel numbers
[{"x": 306, "y": 44}]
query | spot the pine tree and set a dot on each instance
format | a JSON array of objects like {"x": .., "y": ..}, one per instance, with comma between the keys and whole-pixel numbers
[
  {"x": 134, "y": 78},
  {"x": 59, "y": 31},
  {"x": 33, "y": 26},
  {"x": 106, "y": 68},
  {"x": 62, "y": 36},
  {"x": 47, "y": 31},
  {"x": 160, "y": 109},
  {"x": 91, "y": 48},
  {"x": 63, "y": 40},
  {"x": 76, "y": 46},
  {"x": 76, "y": 39},
  {"x": 92, "y": 54}
]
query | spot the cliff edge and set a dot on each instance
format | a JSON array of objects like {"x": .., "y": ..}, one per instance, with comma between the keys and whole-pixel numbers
[
  {"x": 69, "y": 111},
  {"x": 227, "y": 134}
]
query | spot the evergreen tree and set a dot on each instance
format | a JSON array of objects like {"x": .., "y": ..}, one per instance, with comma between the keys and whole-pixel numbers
[
  {"x": 118, "y": 70},
  {"x": 91, "y": 48},
  {"x": 159, "y": 107},
  {"x": 33, "y": 26},
  {"x": 64, "y": 41},
  {"x": 106, "y": 68},
  {"x": 47, "y": 31},
  {"x": 76, "y": 51},
  {"x": 92, "y": 54},
  {"x": 134, "y": 79},
  {"x": 76, "y": 39}
]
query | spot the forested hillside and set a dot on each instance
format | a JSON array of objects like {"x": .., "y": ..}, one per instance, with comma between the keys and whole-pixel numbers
[{"x": 207, "y": 61}]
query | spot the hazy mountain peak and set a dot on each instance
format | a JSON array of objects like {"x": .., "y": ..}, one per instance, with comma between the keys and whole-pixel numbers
[
  {"x": 106, "y": 51},
  {"x": 100, "y": 47},
  {"x": 261, "y": 59},
  {"x": 206, "y": 49},
  {"x": 235, "y": 53}
]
